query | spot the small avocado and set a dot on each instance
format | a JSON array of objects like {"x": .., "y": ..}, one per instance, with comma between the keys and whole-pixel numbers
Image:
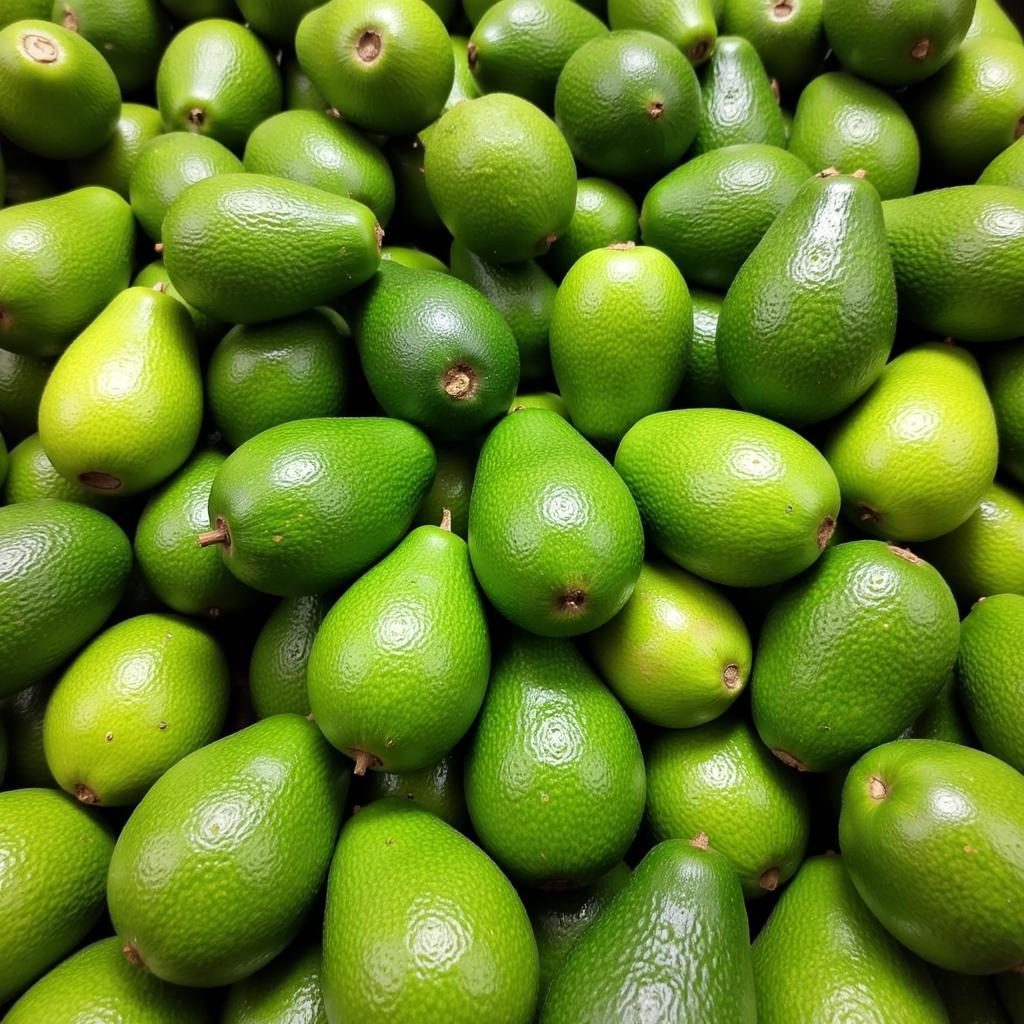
[
  {"x": 111, "y": 165},
  {"x": 286, "y": 991},
  {"x": 872, "y": 604},
  {"x": 554, "y": 535},
  {"x": 399, "y": 666},
  {"x": 687, "y": 24},
  {"x": 267, "y": 802},
  {"x": 31, "y": 476},
  {"x": 21, "y": 717},
  {"x": 436, "y": 788}
]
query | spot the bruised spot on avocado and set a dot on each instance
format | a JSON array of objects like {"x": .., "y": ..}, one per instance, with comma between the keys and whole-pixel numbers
[
  {"x": 218, "y": 535},
  {"x": 572, "y": 601},
  {"x": 196, "y": 117},
  {"x": 904, "y": 553},
  {"x": 70, "y": 20},
  {"x": 699, "y": 50},
  {"x": 471, "y": 54},
  {"x": 85, "y": 794},
  {"x": 788, "y": 759},
  {"x": 369, "y": 46},
  {"x": 460, "y": 382},
  {"x": 655, "y": 108},
  {"x": 921, "y": 49},
  {"x": 364, "y": 760},
  {"x": 131, "y": 954},
  {"x": 825, "y": 530},
  {"x": 731, "y": 676},
  {"x": 41, "y": 49},
  {"x": 782, "y": 10},
  {"x": 100, "y": 481},
  {"x": 769, "y": 880},
  {"x": 877, "y": 789},
  {"x": 866, "y": 514},
  {"x": 700, "y": 840}
]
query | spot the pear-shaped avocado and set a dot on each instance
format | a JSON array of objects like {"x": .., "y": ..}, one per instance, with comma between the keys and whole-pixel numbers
[
  {"x": 620, "y": 337},
  {"x": 733, "y": 497},
  {"x": 554, "y": 535},
  {"x": 247, "y": 828},
  {"x": 867, "y": 604},
  {"x": 287, "y": 991},
  {"x": 190, "y": 582},
  {"x": 308, "y": 504},
  {"x": 98, "y": 982},
  {"x": 58, "y": 97},
  {"x": 932, "y": 834},
  {"x": 823, "y": 956},
  {"x": 434, "y": 351},
  {"x": 111, "y": 166},
  {"x": 958, "y": 255},
  {"x": 280, "y": 656},
  {"x": 122, "y": 408},
  {"x": 915, "y": 455},
  {"x": 216, "y": 78},
  {"x": 141, "y": 696},
  {"x": 689, "y": 24},
  {"x": 738, "y": 102},
  {"x": 809, "y": 320},
  {"x": 399, "y": 666},
  {"x": 675, "y": 939},
  {"x": 250, "y": 247},
  {"x": 759, "y": 820},
  {"x": 422, "y": 926},
  {"x": 63, "y": 568},
  {"x": 61, "y": 261},
  {"x": 55, "y": 856},
  {"x": 554, "y": 773}
]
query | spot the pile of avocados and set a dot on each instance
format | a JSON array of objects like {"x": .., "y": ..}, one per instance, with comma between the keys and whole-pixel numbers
[{"x": 511, "y": 512}]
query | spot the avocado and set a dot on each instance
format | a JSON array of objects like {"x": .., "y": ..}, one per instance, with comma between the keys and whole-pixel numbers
[
  {"x": 275, "y": 20},
  {"x": 730, "y": 496},
  {"x": 709, "y": 214},
  {"x": 21, "y": 718},
  {"x": 808, "y": 323},
  {"x": 400, "y": 663},
  {"x": 65, "y": 567},
  {"x": 307, "y": 505},
  {"x": 674, "y": 940},
  {"x": 30, "y": 476},
  {"x": 296, "y": 246},
  {"x": 420, "y": 882},
  {"x": 555, "y": 538},
  {"x": 434, "y": 351},
  {"x": 451, "y": 489},
  {"x": 554, "y": 773},
  {"x": 818, "y": 698},
  {"x": 22, "y": 379},
  {"x": 248, "y": 825},
  {"x": 702, "y": 382},
  {"x": 286, "y": 991},
  {"x": 112, "y": 164},
  {"x": 216, "y": 78},
  {"x": 958, "y": 254},
  {"x": 436, "y": 788},
  {"x": 822, "y": 956},
  {"x": 55, "y": 855},
  {"x": 931, "y": 833},
  {"x": 620, "y": 338},
  {"x": 123, "y": 406},
  {"x": 916, "y": 454},
  {"x": 688, "y": 24},
  {"x": 85, "y": 236},
  {"x": 1007, "y": 168}
]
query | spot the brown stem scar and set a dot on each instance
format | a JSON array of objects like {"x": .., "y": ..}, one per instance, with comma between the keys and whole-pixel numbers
[
  {"x": 769, "y": 880},
  {"x": 446, "y": 519},
  {"x": 921, "y": 48},
  {"x": 700, "y": 841},
  {"x": 788, "y": 759},
  {"x": 572, "y": 601},
  {"x": 731, "y": 676},
  {"x": 656, "y": 108},
  {"x": 100, "y": 481},
  {"x": 825, "y": 530},
  {"x": 131, "y": 954},
  {"x": 85, "y": 794},
  {"x": 41, "y": 49},
  {"x": 369, "y": 46},
  {"x": 459, "y": 381},
  {"x": 877, "y": 789},
  {"x": 904, "y": 553}
]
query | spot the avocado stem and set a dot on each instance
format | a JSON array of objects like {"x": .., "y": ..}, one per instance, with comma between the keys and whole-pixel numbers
[
  {"x": 363, "y": 760},
  {"x": 446, "y": 519},
  {"x": 769, "y": 880},
  {"x": 85, "y": 794},
  {"x": 131, "y": 954},
  {"x": 218, "y": 535},
  {"x": 921, "y": 49}
]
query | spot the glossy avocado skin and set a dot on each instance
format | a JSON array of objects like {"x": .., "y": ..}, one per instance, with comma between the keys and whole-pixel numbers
[
  {"x": 675, "y": 938},
  {"x": 291, "y": 529},
  {"x": 931, "y": 833},
  {"x": 216, "y": 868}
]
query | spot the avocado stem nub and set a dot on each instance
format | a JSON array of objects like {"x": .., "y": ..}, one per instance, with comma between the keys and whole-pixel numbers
[
  {"x": 788, "y": 759},
  {"x": 655, "y": 108},
  {"x": 42, "y": 49},
  {"x": 471, "y": 54},
  {"x": 85, "y": 794},
  {"x": 699, "y": 50},
  {"x": 131, "y": 954},
  {"x": 363, "y": 760},
  {"x": 218, "y": 535},
  {"x": 783, "y": 9},
  {"x": 769, "y": 880},
  {"x": 877, "y": 789},
  {"x": 196, "y": 116},
  {"x": 368, "y": 48},
  {"x": 446, "y": 519},
  {"x": 1018, "y": 132},
  {"x": 700, "y": 841},
  {"x": 731, "y": 676},
  {"x": 825, "y": 530},
  {"x": 921, "y": 49},
  {"x": 459, "y": 381},
  {"x": 69, "y": 20},
  {"x": 158, "y": 248},
  {"x": 99, "y": 481}
]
